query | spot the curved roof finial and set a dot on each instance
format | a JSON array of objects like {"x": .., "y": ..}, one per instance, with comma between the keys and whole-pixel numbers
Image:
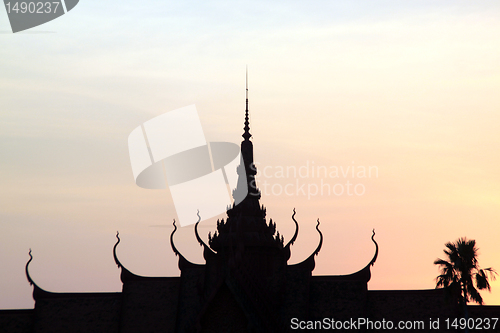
[
  {"x": 198, "y": 238},
  {"x": 196, "y": 227},
  {"x": 376, "y": 249},
  {"x": 309, "y": 264},
  {"x": 320, "y": 239},
  {"x": 37, "y": 291},
  {"x": 183, "y": 262},
  {"x": 172, "y": 239},
  {"x": 125, "y": 275},
  {"x": 118, "y": 263},
  {"x": 294, "y": 238},
  {"x": 30, "y": 280},
  {"x": 246, "y": 135}
]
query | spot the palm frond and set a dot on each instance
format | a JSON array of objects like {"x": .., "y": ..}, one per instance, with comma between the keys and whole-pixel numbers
[
  {"x": 482, "y": 280},
  {"x": 475, "y": 296},
  {"x": 492, "y": 273}
]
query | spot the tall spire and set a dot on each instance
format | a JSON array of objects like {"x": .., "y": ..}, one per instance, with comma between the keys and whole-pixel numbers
[
  {"x": 247, "y": 154},
  {"x": 246, "y": 135}
]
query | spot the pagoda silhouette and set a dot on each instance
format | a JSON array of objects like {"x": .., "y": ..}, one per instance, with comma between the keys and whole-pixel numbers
[{"x": 245, "y": 285}]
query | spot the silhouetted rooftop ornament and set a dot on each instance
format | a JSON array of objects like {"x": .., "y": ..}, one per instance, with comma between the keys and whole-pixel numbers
[
  {"x": 30, "y": 280},
  {"x": 309, "y": 263},
  {"x": 117, "y": 261},
  {"x": 246, "y": 135},
  {"x": 39, "y": 293},
  {"x": 363, "y": 274},
  {"x": 183, "y": 262},
  {"x": 125, "y": 275},
  {"x": 207, "y": 251},
  {"x": 320, "y": 240},
  {"x": 372, "y": 262},
  {"x": 287, "y": 249}
]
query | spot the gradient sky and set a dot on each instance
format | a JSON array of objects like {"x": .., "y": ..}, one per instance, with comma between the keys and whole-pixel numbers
[{"x": 409, "y": 87}]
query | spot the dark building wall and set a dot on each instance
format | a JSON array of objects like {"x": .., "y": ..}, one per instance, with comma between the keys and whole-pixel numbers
[
  {"x": 189, "y": 300},
  {"x": 150, "y": 305},
  {"x": 482, "y": 311},
  {"x": 17, "y": 321},
  {"x": 77, "y": 313},
  {"x": 224, "y": 314},
  {"x": 411, "y": 305},
  {"x": 296, "y": 298},
  {"x": 335, "y": 298}
]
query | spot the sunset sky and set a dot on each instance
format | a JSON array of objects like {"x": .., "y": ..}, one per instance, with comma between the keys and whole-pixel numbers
[{"x": 408, "y": 88}]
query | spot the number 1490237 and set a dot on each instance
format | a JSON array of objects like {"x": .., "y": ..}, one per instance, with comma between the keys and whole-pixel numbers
[
  {"x": 471, "y": 323},
  {"x": 32, "y": 7}
]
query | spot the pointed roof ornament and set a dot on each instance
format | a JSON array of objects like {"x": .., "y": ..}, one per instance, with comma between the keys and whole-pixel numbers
[
  {"x": 117, "y": 261},
  {"x": 246, "y": 135},
  {"x": 30, "y": 280}
]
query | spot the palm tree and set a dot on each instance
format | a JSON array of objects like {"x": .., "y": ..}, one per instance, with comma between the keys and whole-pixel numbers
[{"x": 461, "y": 271}]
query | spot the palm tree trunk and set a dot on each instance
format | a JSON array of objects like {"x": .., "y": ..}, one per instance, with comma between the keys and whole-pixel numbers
[{"x": 466, "y": 312}]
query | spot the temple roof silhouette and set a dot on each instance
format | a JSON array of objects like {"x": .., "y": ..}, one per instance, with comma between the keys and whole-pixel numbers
[{"x": 245, "y": 285}]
